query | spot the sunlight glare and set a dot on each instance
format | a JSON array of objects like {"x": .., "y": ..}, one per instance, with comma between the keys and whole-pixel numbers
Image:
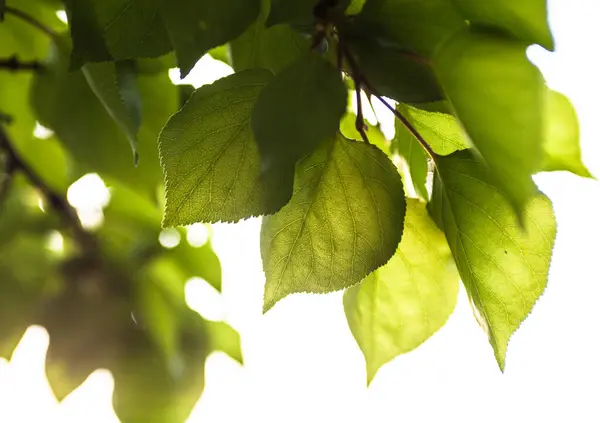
[
  {"x": 204, "y": 299},
  {"x": 169, "y": 238}
]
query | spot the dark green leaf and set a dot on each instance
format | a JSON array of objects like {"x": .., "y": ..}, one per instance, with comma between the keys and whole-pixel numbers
[
  {"x": 498, "y": 95},
  {"x": 561, "y": 143},
  {"x": 344, "y": 221},
  {"x": 195, "y": 27},
  {"x": 104, "y": 30},
  {"x": 272, "y": 48},
  {"x": 526, "y": 20},
  {"x": 416, "y": 26},
  {"x": 400, "y": 305},
  {"x": 211, "y": 161},
  {"x": 291, "y": 11},
  {"x": 394, "y": 73},
  {"x": 115, "y": 85},
  {"x": 504, "y": 267},
  {"x": 299, "y": 109}
]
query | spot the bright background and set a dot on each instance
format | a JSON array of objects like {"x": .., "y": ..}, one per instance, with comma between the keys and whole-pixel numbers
[{"x": 301, "y": 362}]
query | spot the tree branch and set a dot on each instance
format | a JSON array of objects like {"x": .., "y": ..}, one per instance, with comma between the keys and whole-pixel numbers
[
  {"x": 30, "y": 20},
  {"x": 13, "y": 64},
  {"x": 57, "y": 202}
]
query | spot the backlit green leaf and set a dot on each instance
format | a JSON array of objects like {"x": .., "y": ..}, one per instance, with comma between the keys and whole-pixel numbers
[
  {"x": 504, "y": 267},
  {"x": 561, "y": 143},
  {"x": 211, "y": 161},
  {"x": 197, "y": 26},
  {"x": 225, "y": 339},
  {"x": 416, "y": 26},
  {"x": 114, "y": 84},
  {"x": 344, "y": 221},
  {"x": 498, "y": 95},
  {"x": 299, "y": 109},
  {"x": 400, "y": 305},
  {"x": 415, "y": 166},
  {"x": 441, "y": 131},
  {"x": 523, "y": 19}
]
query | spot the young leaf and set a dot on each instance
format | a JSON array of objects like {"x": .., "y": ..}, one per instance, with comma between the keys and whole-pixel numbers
[
  {"x": 210, "y": 159},
  {"x": 400, "y": 305},
  {"x": 197, "y": 26},
  {"x": 523, "y": 19},
  {"x": 115, "y": 30},
  {"x": 299, "y": 109},
  {"x": 415, "y": 166},
  {"x": 498, "y": 96},
  {"x": 561, "y": 141},
  {"x": 115, "y": 86},
  {"x": 415, "y": 26},
  {"x": 503, "y": 266},
  {"x": 393, "y": 72},
  {"x": 441, "y": 131},
  {"x": 272, "y": 48},
  {"x": 344, "y": 221}
]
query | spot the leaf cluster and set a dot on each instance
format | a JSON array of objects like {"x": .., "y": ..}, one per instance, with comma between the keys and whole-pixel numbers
[{"x": 396, "y": 223}]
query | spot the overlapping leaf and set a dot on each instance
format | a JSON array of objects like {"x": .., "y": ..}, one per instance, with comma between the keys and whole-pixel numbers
[
  {"x": 503, "y": 266},
  {"x": 115, "y": 85},
  {"x": 400, "y": 305},
  {"x": 526, "y": 20},
  {"x": 299, "y": 109},
  {"x": 416, "y": 26},
  {"x": 211, "y": 161},
  {"x": 344, "y": 221},
  {"x": 498, "y": 95}
]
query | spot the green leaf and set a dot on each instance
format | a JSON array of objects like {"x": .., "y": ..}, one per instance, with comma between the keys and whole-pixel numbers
[
  {"x": 416, "y": 26},
  {"x": 441, "y": 131},
  {"x": 272, "y": 48},
  {"x": 376, "y": 137},
  {"x": 196, "y": 27},
  {"x": 105, "y": 30},
  {"x": 355, "y": 7},
  {"x": 115, "y": 85},
  {"x": 561, "y": 143},
  {"x": 525, "y": 20},
  {"x": 402, "y": 304},
  {"x": 210, "y": 159},
  {"x": 299, "y": 109},
  {"x": 64, "y": 102},
  {"x": 344, "y": 221},
  {"x": 224, "y": 338},
  {"x": 394, "y": 73},
  {"x": 415, "y": 166},
  {"x": 498, "y": 95},
  {"x": 503, "y": 267}
]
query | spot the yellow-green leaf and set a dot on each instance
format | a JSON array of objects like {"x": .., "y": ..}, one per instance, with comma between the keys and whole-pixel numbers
[{"x": 400, "y": 305}]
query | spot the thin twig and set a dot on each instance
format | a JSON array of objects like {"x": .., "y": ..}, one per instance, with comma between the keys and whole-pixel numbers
[
  {"x": 31, "y": 20},
  {"x": 13, "y": 64},
  {"x": 60, "y": 204},
  {"x": 360, "y": 120},
  {"x": 407, "y": 124}
]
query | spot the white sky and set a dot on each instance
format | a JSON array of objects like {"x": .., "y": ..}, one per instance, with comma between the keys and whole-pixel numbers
[{"x": 302, "y": 363}]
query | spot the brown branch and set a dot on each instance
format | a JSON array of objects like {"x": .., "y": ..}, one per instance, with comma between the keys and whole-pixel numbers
[
  {"x": 31, "y": 20},
  {"x": 57, "y": 202},
  {"x": 13, "y": 64}
]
